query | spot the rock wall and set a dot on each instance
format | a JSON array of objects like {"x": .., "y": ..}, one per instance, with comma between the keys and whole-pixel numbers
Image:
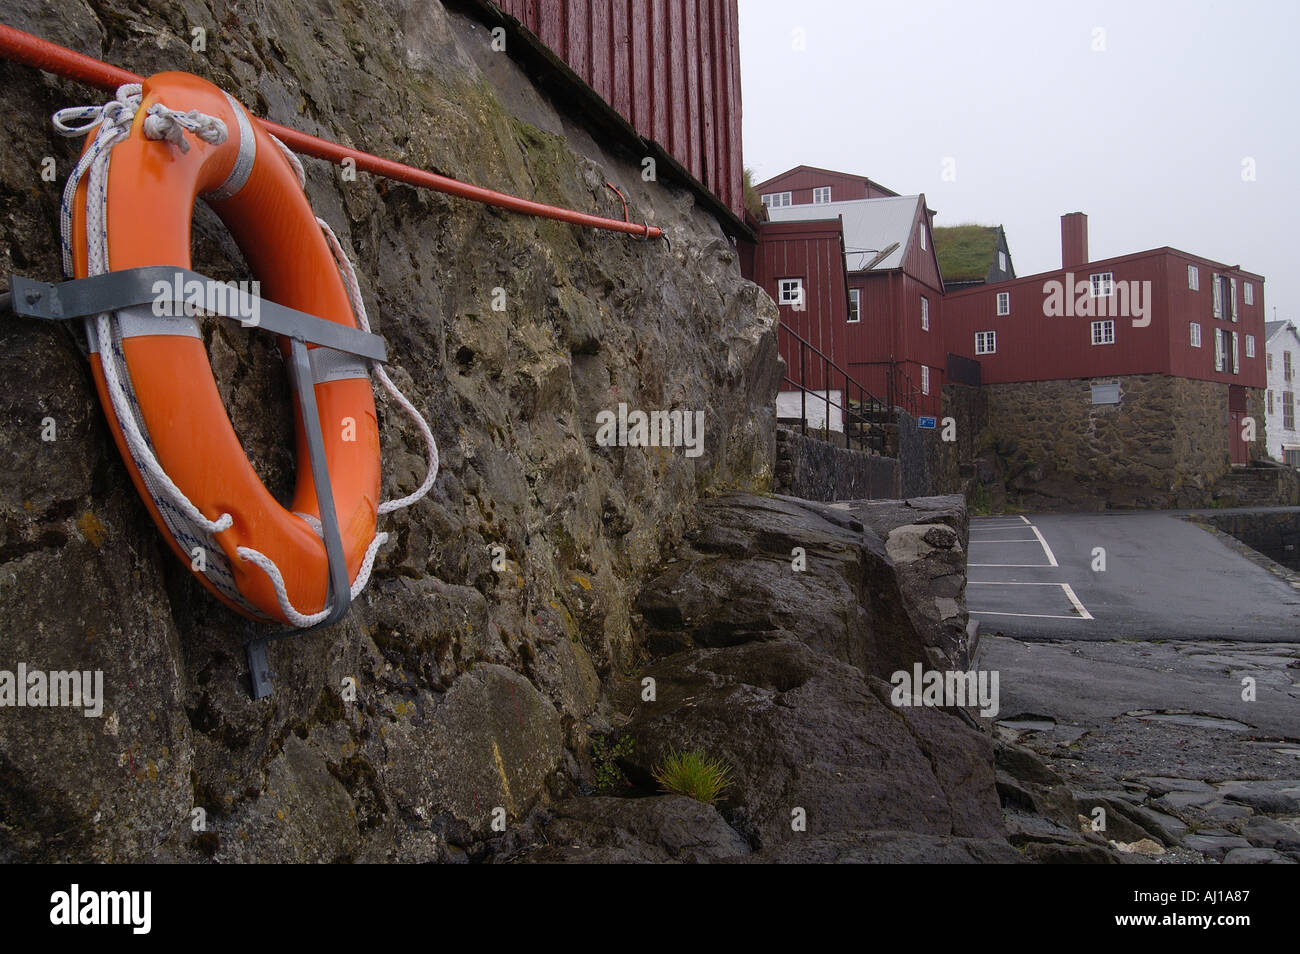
[
  {"x": 779, "y": 668},
  {"x": 1274, "y": 533},
  {"x": 815, "y": 469},
  {"x": 932, "y": 465},
  {"x": 1047, "y": 446},
  {"x": 472, "y": 681}
]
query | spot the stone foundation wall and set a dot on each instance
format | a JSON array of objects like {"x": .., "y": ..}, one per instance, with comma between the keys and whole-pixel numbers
[
  {"x": 1049, "y": 447},
  {"x": 1274, "y": 533},
  {"x": 819, "y": 470}
]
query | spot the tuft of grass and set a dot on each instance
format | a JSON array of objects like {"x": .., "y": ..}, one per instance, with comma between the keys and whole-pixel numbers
[
  {"x": 693, "y": 774},
  {"x": 965, "y": 252}
]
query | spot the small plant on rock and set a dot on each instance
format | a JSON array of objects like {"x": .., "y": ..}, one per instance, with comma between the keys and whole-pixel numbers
[
  {"x": 694, "y": 774},
  {"x": 605, "y": 756}
]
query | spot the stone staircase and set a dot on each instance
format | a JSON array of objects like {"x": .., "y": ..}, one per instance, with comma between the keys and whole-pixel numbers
[{"x": 1261, "y": 484}]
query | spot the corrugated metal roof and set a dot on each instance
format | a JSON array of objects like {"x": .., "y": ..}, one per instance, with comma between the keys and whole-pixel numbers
[{"x": 870, "y": 227}]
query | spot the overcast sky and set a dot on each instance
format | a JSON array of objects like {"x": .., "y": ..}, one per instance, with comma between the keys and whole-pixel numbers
[{"x": 1147, "y": 135}]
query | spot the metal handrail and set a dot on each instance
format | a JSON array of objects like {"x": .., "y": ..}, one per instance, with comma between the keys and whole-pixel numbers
[{"x": 867, "y": 436}]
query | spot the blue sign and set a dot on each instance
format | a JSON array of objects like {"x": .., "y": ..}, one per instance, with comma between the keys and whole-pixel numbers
[{"x": 925, "y": 422}]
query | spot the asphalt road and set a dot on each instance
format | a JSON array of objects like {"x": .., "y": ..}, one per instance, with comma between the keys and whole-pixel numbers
[{"x": 1033, "y": 578}]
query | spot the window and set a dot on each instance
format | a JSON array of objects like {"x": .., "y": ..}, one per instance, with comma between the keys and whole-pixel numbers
[
  {"x": 1268, "y": 396},
  {"x": 1102, "y": 283},
  {"x": 1232, "y": 299},
  {"x": 1193, "y": 278},
  {"x": 1286, "y": 365},
  {"x": 776, "y": 200},
  {"x": 855, "y": 314},
  {"x": 821, "y": 195},
  {"x": 925, "y": 313},
  {"x": 925, "y": 380},
  {"x": 1216, "y": 289},
  {"x": 1236, "y": 363},
  {"x": 1196, "y": 334},
  {"x": 1249, "y": 291},
  {"x": 1004, "y": 303},
  {"x": 1103, "y": 332},
  {"x": 1268, "y": 360},
  {"x": 1250, "y": 346},
  {"x": 1220, "y": 350},
  {"x": 1288, "y": 411},
  {"x": 791, "y": 292},
  {"x": 1002, "y": 260},
  {"x": 923, "y": 236},
  {"x": 986, "y": 342},
  {"x": 1291, "y": 457}
]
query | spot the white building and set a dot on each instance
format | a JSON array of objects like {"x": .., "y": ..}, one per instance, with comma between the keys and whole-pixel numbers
[{"x": 1282, "y": 359}]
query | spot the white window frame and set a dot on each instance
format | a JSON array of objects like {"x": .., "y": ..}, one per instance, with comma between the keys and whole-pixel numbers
[
  {"x": 1195, "y": 331},
  {"x": 1104, "y": 280},
  {"x": 1002, "y": 260},
  {"x": 1248, "y": 290},
  {"x": 784, "y": 288},
  {"x": 925, "y": 379},
  {"x": 776, "y": 200},
  {"x": 1250, "y": 346},
  {"x": 922, "y": 236},
  {"x": 925, "y": 313},
  {"x": 986, "y": 342},
  {"x": 1216, "y": 293},
  {"x": 1103, "y": 332},
  {"x": 819, "y": 192},
  {"x": 1193, "y": 278},
  {"x": 1220, "y": 350},
  {"x": 1236, "y": 355},
  {"x": 855, "y": 306},
  {"x": 1233, "y": 286},
  {"x": 1004, "y": 303}
]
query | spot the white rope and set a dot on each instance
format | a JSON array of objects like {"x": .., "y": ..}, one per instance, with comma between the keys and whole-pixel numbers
[
  {"x": 293, "y": 161},
  {"x": 359, "y": 308},
  {"x": 164, "y": 123}
]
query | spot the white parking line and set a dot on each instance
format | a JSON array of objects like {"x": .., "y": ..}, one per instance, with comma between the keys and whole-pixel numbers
[
  {"x": 1069, "y": 593},
  {"x": 1046, "y": 549},
  {"x": 1016, "y": 540},
  {"x": 1083, "y": 613}
]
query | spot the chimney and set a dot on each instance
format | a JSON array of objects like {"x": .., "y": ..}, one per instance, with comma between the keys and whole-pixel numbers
[{"x": 1074, "y": 239}]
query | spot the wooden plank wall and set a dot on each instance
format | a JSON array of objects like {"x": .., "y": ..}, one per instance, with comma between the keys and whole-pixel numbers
[{"x": 671, "y": 68}]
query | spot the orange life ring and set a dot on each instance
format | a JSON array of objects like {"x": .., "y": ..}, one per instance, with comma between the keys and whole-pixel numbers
[{"x": 252, "y": 187}]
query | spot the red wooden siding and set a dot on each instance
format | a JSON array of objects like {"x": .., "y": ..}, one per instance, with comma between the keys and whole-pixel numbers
[
  {"x": 671, "y": 68},
  {"x": 813, "y": 251},
  {"x": 801, "y": 181}
]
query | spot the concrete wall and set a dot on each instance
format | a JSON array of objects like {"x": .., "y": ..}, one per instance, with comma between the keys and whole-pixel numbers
[
  {"x": 818, "y": 470},
  {"x": 791, "y": 404}
]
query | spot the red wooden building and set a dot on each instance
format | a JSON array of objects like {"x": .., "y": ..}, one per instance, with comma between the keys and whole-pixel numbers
[
  {"x": 1162, "y": 311},
  {"x": 668, "y": 69},
  {"x": 807, "y": 185},
  {"x": 1157, "y": 312},
  {"x": 878, "y": 314}
]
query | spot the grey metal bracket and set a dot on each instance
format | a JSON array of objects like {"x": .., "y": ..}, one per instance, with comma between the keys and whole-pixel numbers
[{"x": 111, "y": 291}]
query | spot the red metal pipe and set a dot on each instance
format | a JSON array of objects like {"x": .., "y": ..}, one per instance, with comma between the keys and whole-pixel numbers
[{"x": 43, "y": 55}]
